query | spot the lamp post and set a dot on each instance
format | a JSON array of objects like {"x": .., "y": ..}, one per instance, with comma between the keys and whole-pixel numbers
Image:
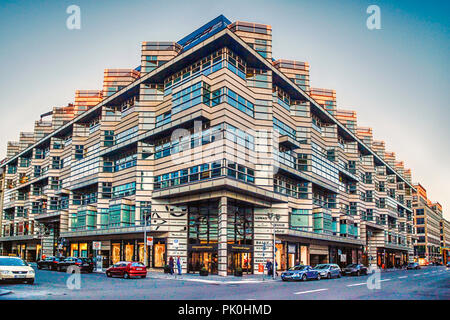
[
  {"x": 272, "y": 217},
  {"x": 41, "y": 234}
]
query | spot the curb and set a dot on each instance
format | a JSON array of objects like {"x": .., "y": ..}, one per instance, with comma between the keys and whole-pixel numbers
[
  {"x": 4, "y": 292},
  {"x": 216, "y": 282}
]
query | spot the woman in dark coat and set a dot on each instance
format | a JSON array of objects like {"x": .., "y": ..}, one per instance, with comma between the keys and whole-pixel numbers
[{"x": 171, "y": 264}]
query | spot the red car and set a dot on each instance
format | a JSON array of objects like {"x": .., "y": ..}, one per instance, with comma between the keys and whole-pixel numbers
[{"x": 127, "y": 269}]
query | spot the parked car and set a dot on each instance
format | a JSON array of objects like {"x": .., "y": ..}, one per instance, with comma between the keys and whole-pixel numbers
[
  {"x": 413, "y": 266},
  {"x": 85, "y": 264},
  {"x": 355, "y": 269},
  {"x": 50, "y": 263},
  {"x": 448, "y": 264},
  {"x": 127, "y": 269},
  {"x": 15, "y": 269},
  {"x": 328, "y": 270},
  {"x": 300, "y": 272}
]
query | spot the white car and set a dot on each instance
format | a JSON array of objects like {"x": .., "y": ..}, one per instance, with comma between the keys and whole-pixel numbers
[{"x": 15, "y": 269}]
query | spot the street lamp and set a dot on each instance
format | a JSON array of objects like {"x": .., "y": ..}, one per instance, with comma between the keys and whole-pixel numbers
[
  {"x": 41, "y": 233},
  {"x": 272, "y": 217}
]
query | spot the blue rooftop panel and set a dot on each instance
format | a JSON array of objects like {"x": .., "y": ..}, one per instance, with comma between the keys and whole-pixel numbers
[{"x": 204, "y": 32}]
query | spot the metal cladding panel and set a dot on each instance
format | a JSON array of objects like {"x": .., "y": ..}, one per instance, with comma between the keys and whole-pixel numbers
[{"x": 204, "y": 32}]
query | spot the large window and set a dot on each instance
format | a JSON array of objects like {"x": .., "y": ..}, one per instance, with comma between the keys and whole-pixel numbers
[
  {"x": 299, "y": 219},
  {"x": 124, "y": 190},
  {"x": 203, "y": 223},
  {"x": 232, "y": 98},
  {"x": 239, "y": 224},
  {"x": 190, "y": 96},
  {"x": 283, "y": 128}
]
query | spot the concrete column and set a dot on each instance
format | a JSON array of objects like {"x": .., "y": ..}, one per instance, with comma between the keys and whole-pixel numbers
[{"x": 222, "y": 248}]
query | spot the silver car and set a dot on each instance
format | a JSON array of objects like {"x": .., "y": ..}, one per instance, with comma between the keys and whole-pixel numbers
[{"x": 328, "y": 270}]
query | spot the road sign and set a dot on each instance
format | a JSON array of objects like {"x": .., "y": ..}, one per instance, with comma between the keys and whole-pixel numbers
[
  {"x": 149, "y": 241},
  {"x": 260, "y": 267},
  {"x": 96, "y": 245}
]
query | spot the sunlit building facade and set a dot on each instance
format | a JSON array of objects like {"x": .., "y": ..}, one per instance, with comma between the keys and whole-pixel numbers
[{"x": 211, "y": 146}]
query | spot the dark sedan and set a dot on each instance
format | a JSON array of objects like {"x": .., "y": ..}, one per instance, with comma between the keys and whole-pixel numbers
[
  {"x": 300, "y": 272},
  {"x": 355, "y": 269},
  {"x": 85, "y": 264},
  {"x": 50, "y": 263}
]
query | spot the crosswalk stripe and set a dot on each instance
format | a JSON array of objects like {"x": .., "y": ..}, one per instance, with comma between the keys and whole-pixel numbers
[
  {"x": 356, "y": 284},
  {"x": 310, "y": 291}
]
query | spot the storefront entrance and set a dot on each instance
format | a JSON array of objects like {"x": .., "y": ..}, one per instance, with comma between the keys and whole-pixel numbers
[
  {"x": 159, "y": 254},
  {"x": 242, "y": 260},
  {"x": 198, "y": 260},
  {"x": 79, "y": 250}
]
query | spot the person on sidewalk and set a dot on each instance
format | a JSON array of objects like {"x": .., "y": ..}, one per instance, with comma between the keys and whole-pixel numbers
[
  {"x": 269, "y": 266},
  {"x": 171, "y": 264},
  {"x": 179, "y": 265}
]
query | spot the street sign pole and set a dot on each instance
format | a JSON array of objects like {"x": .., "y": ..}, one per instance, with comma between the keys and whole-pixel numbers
[{"x": 145, "y": 239}]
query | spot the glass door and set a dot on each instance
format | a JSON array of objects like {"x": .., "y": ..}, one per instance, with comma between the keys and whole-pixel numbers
[
  {"x": 159, "y": 251},
  {"x": 115, "y": 253}
]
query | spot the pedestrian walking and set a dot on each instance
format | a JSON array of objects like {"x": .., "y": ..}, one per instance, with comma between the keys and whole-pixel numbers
[
  {"x": 269, "y": 267},
  {"x": 179, "y": 265},
  {"x": 171, "y": 264}
]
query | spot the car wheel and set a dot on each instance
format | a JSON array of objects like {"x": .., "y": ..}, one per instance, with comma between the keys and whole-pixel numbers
[
  {"x": 358, "y": 273},
  {"x": 339, "y": 275},
  {"x": 318, "y": 276},
  {"x": 304, "y": 277},
  {"x": 283, "y": 279},
  {"x": 30, "y": 281},
  {"x": 126, "y": 276},
  {"x": 39, "y": 267},
  {"x": 329, "y": 275},
  {"x": 143, "y": 277}
]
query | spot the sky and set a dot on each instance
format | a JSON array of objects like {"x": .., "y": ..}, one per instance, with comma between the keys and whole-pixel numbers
[{"x": 396, "y": 77}]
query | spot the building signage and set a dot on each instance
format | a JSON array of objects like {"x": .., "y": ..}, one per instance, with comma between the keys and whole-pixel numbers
[
  {"x": 149, "y": 241},
  {"x": 203, "y": 247},
  {"x": 239, "y": 248},
  {"x": 176, "y": 243}
]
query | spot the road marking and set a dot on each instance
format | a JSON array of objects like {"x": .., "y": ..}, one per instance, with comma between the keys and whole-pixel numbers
[
  {"x": 403, "y": 277},
  {"x": 426, "y": 273},
  {"x": 385, "y": 280},
  {"x": 416, "y": 275},
  {"x": 310, "y": 291},
  {"x": 356, "y": 284},
  {"x": 434, "y": 271}
]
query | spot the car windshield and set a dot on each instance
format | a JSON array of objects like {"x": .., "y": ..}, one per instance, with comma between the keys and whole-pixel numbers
[
  {"x": 137, "y": 264},
  {"x": 16, "y": 262},
  {"x": 353, "y": 265},
  {"x": 321, "y": 266},
  {"x": 297, "y": 268}
]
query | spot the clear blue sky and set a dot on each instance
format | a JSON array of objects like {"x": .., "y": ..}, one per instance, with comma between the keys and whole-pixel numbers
[{"x": 396, "y": 78}]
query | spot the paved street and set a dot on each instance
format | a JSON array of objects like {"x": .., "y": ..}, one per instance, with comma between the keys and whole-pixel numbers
[{"x": 427, "y": 283}]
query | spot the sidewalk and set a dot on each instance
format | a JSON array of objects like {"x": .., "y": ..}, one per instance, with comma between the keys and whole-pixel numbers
[
  {"x": 211, "y": 279},
  {"x": 3, "y": 292}
]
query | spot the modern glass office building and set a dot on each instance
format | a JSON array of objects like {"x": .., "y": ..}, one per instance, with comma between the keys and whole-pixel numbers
[{"x": 221, "y": 147}]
